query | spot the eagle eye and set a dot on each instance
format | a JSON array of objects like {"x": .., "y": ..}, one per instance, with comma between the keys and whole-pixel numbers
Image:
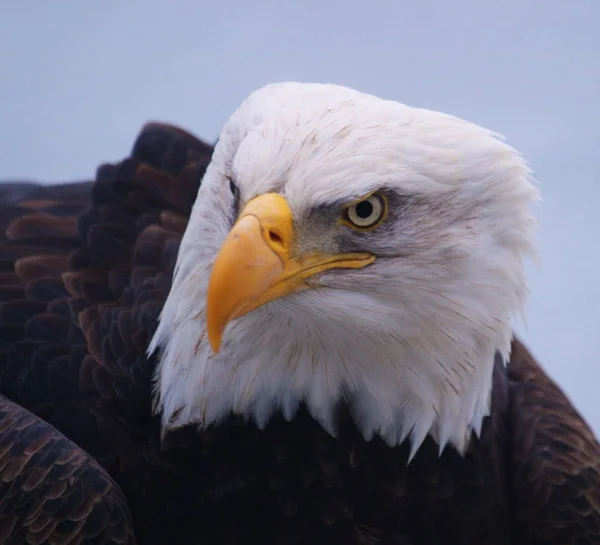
[
  {"x": 232, "y": 187},
  {"x": 366, "y": 214}
]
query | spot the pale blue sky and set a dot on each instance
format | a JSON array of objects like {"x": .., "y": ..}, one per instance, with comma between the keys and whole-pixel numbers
[{"x": 80, "y": 78}]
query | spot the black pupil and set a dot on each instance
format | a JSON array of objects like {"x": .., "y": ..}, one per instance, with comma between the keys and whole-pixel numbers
[
  {"x": 232, "y": 187},
  {"x": 364, "y": 210}
]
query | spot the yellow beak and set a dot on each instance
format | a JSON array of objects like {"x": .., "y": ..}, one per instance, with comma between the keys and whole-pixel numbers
[{"x": 254, "y": 265}]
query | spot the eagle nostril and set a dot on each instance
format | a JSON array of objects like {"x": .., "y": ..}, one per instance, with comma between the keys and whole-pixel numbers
[{"x": 275, "y": 239}]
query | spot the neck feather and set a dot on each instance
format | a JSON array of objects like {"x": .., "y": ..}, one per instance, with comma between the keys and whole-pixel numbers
[{"x": 281, "y": 355}]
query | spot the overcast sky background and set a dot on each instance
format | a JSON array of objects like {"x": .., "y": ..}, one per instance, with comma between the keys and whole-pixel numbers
[{"x": 78, "y": 80}]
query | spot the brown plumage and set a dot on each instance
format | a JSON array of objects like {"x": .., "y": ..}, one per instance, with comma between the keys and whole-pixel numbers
[
  {"x": 53, "y": 491},
  {"x": 84, "y": 272}
]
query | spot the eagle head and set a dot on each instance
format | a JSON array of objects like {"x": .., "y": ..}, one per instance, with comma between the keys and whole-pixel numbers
[{"x": 345, "y": 248}]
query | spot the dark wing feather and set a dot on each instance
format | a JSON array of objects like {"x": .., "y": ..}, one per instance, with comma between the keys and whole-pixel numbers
[
  {"x": 555, "y": 469},
  {"x": 83, "y": 279},
  {"x": 51, "y": 491}
]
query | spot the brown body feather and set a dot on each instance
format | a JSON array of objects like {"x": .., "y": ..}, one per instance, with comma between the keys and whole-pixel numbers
[
  {"x": 84, "y": 272},
  {"x": 51, "y": 490}
]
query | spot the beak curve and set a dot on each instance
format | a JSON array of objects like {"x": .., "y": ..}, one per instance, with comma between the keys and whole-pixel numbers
[{"x": 254, "y": 265}]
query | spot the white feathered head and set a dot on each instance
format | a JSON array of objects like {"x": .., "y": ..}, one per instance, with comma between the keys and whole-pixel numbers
[{"x": 347, "y": 248}]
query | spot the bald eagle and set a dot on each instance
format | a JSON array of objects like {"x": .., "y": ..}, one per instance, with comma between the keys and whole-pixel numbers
[{"x": 300, "y": 336}]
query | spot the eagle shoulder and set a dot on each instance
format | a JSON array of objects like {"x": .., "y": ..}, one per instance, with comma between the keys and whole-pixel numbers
[{"x": 554, "y": 464}]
